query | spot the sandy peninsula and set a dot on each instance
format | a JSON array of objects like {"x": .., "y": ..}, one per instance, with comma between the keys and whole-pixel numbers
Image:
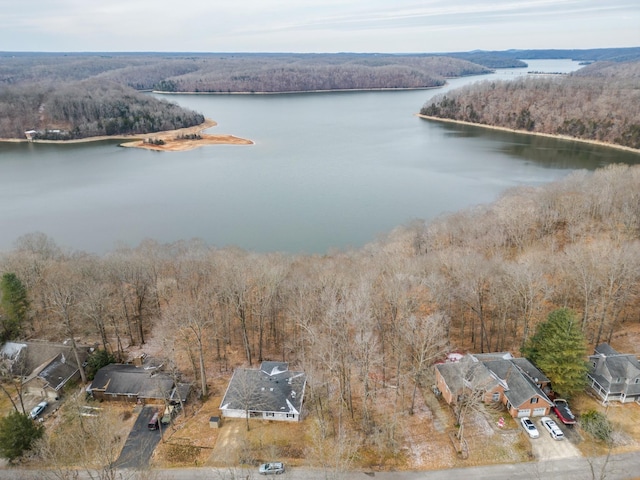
[
  {"x": 175, "y": 141},
  {"x": 172, "y": 140},
  {"x": 526, "y": 132}
]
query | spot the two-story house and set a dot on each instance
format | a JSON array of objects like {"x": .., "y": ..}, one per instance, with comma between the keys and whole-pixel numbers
[{"x": 614, "y": 376}]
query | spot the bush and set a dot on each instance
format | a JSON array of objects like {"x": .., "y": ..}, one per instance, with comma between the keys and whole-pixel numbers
[
  {"x": 597, "y": 424},
  {"x": 96, "y": 361}
]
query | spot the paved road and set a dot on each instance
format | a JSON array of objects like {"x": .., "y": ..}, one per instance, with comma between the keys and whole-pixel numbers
[{"x": 618, "y": 467}]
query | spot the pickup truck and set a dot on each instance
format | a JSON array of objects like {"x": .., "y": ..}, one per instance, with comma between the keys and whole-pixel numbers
[{"x": 563, "y": 412}]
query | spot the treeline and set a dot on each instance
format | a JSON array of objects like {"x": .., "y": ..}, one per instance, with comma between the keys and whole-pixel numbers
[
  {"x": 366, "y": 325},
  {"x": 240, "y": 72},
  {"x": 600, "y": 102},
  {"x": 84, "y": 109},
  {"x": 514, "y": 57},
  {"x": 69, "y": 96}
]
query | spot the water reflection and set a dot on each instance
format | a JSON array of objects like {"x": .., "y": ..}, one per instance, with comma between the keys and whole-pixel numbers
[{"x": 544, "y": 151}]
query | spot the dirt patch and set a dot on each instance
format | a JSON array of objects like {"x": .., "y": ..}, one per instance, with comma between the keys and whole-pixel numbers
[
  {"x": 189, "y": 439},
  {"x": 625, "y": 419},
  {"x": 174, "y": 140}
]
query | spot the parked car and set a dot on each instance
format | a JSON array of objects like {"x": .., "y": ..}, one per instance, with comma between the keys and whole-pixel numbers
[
  {"x": 563, "y": 412},
  {"x": 154, "y": 423},
  {"x": 273, "y": 468},
  {"x": 553, "y": 428},
  {"x": 529, "y": 427},
  {"x": 38, "y": 409}
]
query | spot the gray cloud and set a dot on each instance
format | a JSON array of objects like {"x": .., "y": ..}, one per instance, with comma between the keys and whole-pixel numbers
[{"x": 314, "y": 25}]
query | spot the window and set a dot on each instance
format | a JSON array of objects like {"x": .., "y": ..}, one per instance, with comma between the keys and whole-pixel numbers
[
  {"x": 534, "y": 400},
  {"x": 269, "y": 414},
  {"x": 637, "y": 380},
  {"x": 291, "y": 415},
  {"x": 496, "y": 396}
]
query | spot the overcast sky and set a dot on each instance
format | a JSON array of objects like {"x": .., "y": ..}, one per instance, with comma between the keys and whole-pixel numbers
[{"x": 316, "y": 25}]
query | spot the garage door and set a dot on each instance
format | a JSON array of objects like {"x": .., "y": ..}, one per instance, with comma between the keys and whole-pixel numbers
[
  {"x": 539, "y": 412},
  {"x": 524, "y": 413}
]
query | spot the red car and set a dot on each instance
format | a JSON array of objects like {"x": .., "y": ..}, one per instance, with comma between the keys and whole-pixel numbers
[{"x": 563, "y": 412}]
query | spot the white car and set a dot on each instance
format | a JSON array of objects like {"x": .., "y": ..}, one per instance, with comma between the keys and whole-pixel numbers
[
  {"x": 553, "y": 428},
  {"x": 273, "y": 468},
  {"x": 529, "y": 427},
  {"x": 38, "y": 409}
]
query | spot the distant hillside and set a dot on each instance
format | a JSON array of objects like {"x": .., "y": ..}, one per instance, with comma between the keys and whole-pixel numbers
[
  {"x": 600, "y": 102},
  {"x": 512, "y": 58},
  {"x": 240, "y": 72},
  {"x": 86, "y": 109}
]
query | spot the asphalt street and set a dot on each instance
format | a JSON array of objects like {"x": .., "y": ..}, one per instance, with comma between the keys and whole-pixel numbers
[{"x": 617, "y": 467}]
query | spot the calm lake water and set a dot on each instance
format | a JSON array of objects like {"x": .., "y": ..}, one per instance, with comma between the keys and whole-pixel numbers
[{"x": 328, "y": 170}]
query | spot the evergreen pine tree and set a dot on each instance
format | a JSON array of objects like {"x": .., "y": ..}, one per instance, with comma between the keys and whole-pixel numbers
[
  {"x": 17, "y": 434},
  {"x": 559, "y": 350},
  {"x": 13, "y": 306}
]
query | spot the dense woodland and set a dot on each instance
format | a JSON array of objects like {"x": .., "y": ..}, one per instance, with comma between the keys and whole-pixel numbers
[
  {"x": 76, "y": 95},
  {"x": 365, "y": 325},
  {"x": 69, "y": 96},
  {"x": 599, "y": 102},
  {"x": 86, "y": 109}
]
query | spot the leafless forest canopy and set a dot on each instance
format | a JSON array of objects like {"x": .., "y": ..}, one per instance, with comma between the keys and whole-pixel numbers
[
  {"x": 79, "y": 95},
  {"x": 599, "y": 102},
  {"x": 361, "y": 323}
]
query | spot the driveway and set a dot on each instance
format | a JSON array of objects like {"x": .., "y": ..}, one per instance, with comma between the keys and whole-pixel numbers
[
  {"x": 140, "y": 443},
  {"x": 546, "y": 448}
]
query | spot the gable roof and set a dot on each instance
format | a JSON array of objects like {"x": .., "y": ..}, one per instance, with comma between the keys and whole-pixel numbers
[
  {"x": 271, "y": 388},
  {"x": 488, "y": 370},
  {"x": 126, "y": 379},
  {"x": 24, "y": 358},
  {"x": 614, "y": 370},
  {"x": 56, "y": 372},
  {"x": 520, "y": 388}
]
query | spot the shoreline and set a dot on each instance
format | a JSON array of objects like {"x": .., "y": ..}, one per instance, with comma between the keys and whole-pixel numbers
[
  {"x": 526, "y": 132},
  {"x": 293, "y": 92},
  {"x": 171, "y": 143}
]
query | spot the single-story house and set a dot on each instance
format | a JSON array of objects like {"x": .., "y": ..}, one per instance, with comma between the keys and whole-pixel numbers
[
  {"x": 614, "y": 375},
  {"x": 272, "y": 392},
  {"x": 45, "y": 368},
  {"x": 48, "y": 380},
  {"x": 498, "y": 377},
  {"x": 129, "y": 383}
]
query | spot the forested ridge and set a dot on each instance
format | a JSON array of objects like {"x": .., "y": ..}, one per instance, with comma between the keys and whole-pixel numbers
[
  {"x": 599, "y": 102},
  {"x": 357, "y": 322},
  {"x": 69, "y": 96},
  {"x": 86, "y": 108}
]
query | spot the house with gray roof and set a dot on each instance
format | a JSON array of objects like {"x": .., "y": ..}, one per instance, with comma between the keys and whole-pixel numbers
[
  {"x": 272, "y": 392},
  {"x": 514, "y": 382},
  {"x": 129, "y": 383},
  {"x": 614, "y": 376},
  {"x": 44, "y": 367}
]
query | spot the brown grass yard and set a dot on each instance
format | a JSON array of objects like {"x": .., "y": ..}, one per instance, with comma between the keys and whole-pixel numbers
[{"x": 425, "y": 441}]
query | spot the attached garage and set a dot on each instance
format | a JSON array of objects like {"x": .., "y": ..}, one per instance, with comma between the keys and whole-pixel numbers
[
  {"x": 539, "y": 412},
  {"x": 524, "y": 413}
]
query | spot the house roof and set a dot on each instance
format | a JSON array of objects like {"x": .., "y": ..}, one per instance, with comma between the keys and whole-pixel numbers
[
  {"x": 490, "y": 370},
  {"x": 271, "y": 388},
  {"x": 530, "y": 370},
  {"x": 56, "y": 372},
  {"x": 26, "y": 357},
  {"x": 467, "y": 373},
  {"x": 611, "y": 366},
  {"x": 520, "y": 388},
  {"x": 125, "y": 379},
  {"x": 606, "y": 350}
]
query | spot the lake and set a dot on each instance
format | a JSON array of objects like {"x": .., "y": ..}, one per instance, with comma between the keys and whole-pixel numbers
[{"x": 327, "y": 171}]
